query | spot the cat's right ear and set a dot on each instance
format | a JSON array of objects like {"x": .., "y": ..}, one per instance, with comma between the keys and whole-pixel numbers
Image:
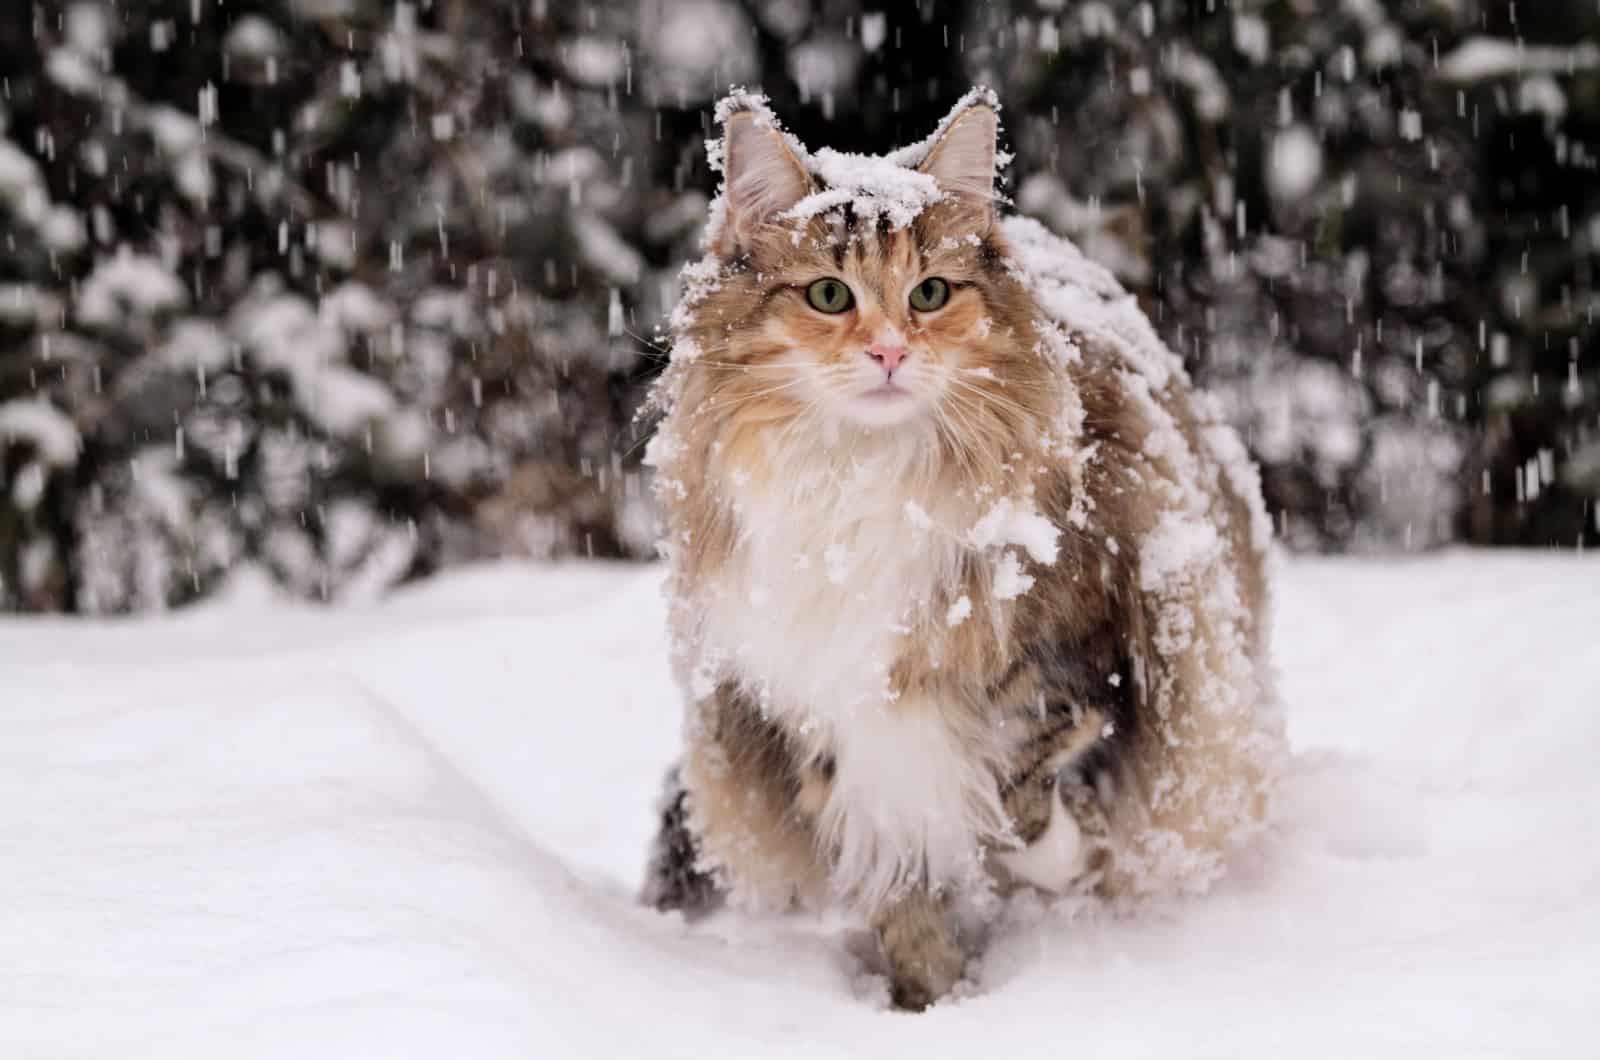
[
  {"x": 962, "y": 160},
  {"x": 761, "y": 176}
]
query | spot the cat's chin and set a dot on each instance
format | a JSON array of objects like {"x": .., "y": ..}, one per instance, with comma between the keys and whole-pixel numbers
[{"x": 884, "y": 406}]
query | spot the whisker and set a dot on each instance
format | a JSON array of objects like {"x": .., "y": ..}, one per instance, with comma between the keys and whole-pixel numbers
[
  {"x": 644, "y": 440},
  {"x": 972, "y": 413},
  {"x": 984, "y": 414},
  {"x": 739, "y": 399},
  {"x": 989, "y": 396},
  {"x": 744, "y": 366},
  {"x": 968, "y": 436},
  {"x": 656, "y": 346},
  {"x": 812, "y": 410},
  {"x": 953, "y": 437}
]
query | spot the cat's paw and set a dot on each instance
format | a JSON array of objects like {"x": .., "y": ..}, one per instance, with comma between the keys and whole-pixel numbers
[
  {"x": 913, "y": 989},
  {"x": 919, "y": 946}
]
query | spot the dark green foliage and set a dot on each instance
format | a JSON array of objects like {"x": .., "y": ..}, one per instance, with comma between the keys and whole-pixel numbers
[
  {"x": 331, "y": 306},
  {"x": 350, "y": 290},
  {"x": 1373, "y": 246}
]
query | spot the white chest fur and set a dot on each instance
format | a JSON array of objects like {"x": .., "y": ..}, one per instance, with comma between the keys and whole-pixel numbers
[
  {"x": 828, "y": 578},
  {"x": 832, "y": 574}
]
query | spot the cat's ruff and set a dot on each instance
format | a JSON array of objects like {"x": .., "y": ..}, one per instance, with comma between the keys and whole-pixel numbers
[{"x": 810, "y": 615}]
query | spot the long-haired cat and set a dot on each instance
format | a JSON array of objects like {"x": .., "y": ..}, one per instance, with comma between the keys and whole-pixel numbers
[{"x": 966, "y": 583}]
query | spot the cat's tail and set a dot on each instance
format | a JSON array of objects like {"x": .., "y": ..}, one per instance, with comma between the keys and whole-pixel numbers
[{"x": 671, "y": 880}]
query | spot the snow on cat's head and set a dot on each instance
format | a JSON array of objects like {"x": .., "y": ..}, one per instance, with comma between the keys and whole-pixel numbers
[{"x": 861, "y": 292}]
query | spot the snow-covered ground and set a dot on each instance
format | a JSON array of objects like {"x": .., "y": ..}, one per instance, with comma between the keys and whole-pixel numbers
[{"x": 415, "y": 829}]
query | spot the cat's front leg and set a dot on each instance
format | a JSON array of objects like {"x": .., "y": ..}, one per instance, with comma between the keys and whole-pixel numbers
[
  {"x": 743, "y": 807},
  {"x": 918, "y": 937}
]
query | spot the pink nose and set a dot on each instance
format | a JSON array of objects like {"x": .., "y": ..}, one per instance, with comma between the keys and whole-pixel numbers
[{"x": 887, "y": 355}]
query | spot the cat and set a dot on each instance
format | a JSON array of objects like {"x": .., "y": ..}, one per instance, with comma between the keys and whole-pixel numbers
[{"x": 966, "y": 584}]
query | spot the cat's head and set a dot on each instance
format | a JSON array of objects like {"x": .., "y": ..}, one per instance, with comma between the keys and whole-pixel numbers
[{"x": 869, "y": 294}]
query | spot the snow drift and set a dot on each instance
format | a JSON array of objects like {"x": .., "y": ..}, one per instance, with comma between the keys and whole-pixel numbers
[{"x": 254, "y": 829}]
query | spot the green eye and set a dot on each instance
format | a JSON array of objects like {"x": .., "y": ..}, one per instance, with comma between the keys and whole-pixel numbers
[
  {"x": 829, "y": 296},
  {"x": 929, "y": 295}
]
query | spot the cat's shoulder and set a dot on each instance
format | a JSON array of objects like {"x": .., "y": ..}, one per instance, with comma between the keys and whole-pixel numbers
[{"x": 1082, "y": 298}]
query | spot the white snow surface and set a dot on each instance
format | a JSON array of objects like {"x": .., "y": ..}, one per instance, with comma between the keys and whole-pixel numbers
[{"x": 416, "y": 828}]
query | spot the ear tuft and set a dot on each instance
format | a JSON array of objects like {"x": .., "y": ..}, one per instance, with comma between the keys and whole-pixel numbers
[
  {"x": 963, "y": 159},
  {"x": 762, "y": 175}
]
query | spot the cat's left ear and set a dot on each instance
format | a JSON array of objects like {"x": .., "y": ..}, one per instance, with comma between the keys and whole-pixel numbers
[
  {"x": 762, "y": 176},
  {"x": 962, "y": 160}
]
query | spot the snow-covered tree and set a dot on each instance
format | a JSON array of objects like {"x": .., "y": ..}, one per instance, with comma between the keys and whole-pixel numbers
[
  {"x": 336, "y": 287},
  {"x": 1363, "y": 225},
  {"x": 354, "y": 289}
]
